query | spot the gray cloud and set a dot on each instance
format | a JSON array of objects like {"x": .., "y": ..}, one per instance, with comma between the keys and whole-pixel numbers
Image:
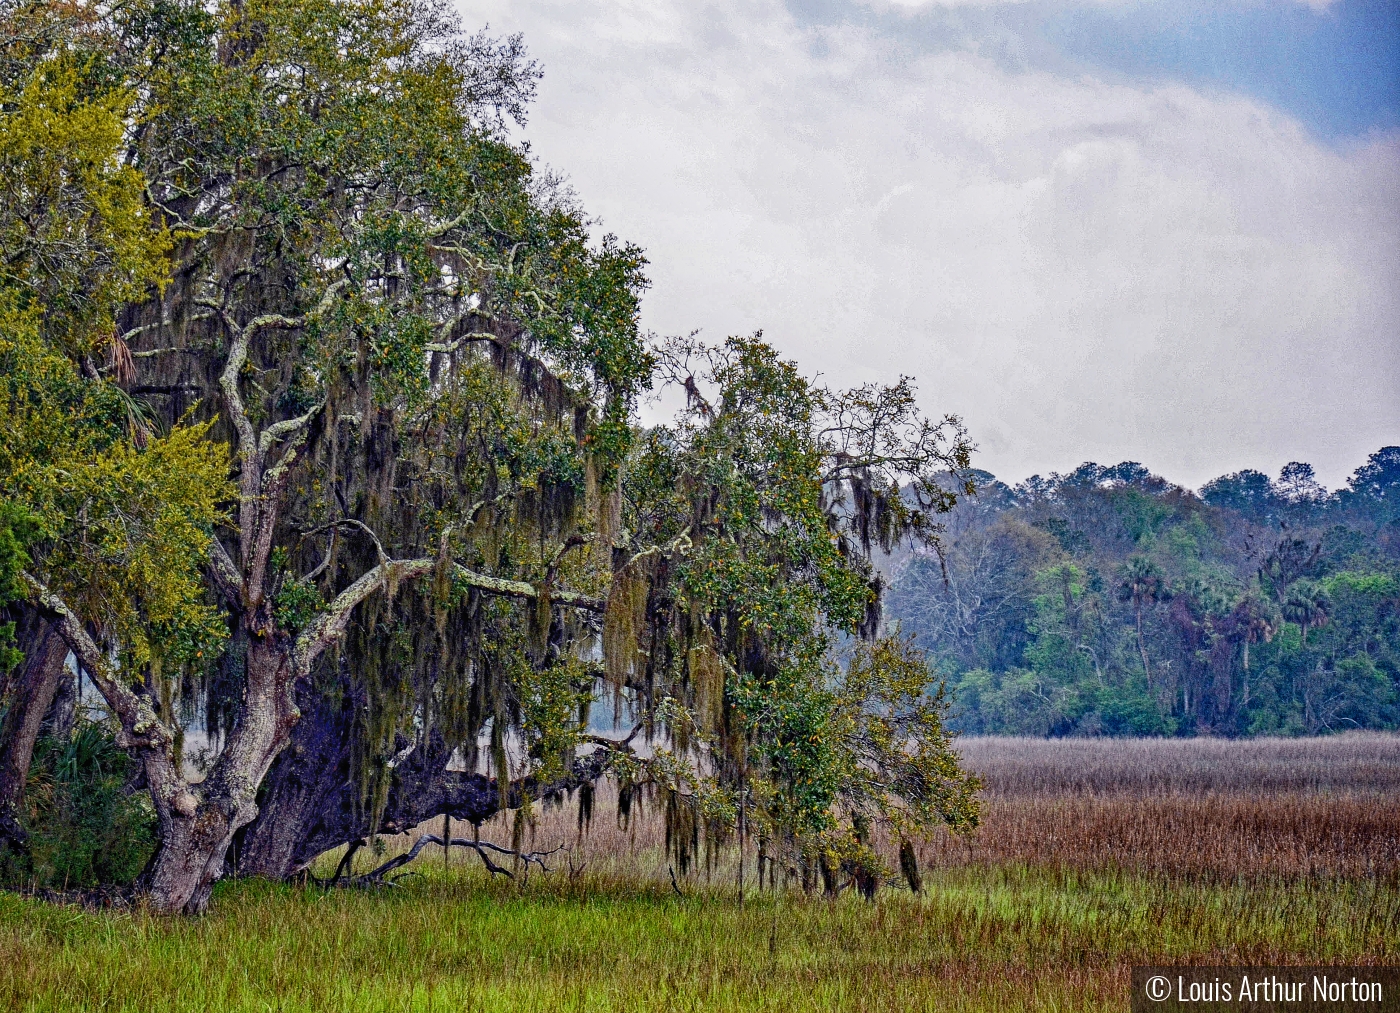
[{"x": 1084, "y": 269}]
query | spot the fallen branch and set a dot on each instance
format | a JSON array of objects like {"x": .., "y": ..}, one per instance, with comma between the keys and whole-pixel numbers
[{"x": 482, "y": 848}]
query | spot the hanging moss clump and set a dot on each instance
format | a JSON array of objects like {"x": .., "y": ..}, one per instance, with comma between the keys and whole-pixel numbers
[{"x": 624, "y": 623}]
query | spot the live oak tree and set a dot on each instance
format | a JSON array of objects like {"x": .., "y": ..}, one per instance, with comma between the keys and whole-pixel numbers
[
  {"x": 329, "y": 417},
  {"x": 741, "y": 555},
  {"x": 363, "y": 281}
]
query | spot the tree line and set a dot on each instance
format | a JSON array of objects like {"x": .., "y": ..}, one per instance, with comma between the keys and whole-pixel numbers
[
  {"x": 1111, "y": 602},
  {"x": 318, "y": 438}
]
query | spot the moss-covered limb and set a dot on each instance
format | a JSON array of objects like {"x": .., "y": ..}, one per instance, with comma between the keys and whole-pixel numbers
[
  {"x": 250, "y": 471},
  {"x": 261, "y": 486},
  {"x": 330, "y": 625},
  {"x": 141, "y": 728},
  {"x": 196, "y": 823}
]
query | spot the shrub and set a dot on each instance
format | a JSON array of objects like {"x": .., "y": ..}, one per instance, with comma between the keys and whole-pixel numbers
[{"x": 84, "y": 827}]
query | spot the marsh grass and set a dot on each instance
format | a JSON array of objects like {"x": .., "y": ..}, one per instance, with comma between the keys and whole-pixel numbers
[
  {"x": 1009, "y": 938},
  {"x": 1355, "y": 762},
  {"x": 1063, "y": 890}
]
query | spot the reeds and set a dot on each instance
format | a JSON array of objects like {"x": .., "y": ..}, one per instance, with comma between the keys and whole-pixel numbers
[
  {"x": 1349, "y": 763},
  {"x": 1289, "y": 835},
  {"x": 1205, "y": 807},
  {"x": 1213, "y": 808}
]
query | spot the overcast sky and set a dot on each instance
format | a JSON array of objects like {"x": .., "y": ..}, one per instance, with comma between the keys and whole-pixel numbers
[{"x": 1163, "y": 232}]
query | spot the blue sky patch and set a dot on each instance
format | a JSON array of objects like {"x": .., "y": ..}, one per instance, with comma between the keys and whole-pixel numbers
[{"x": 1336, "y": 70}]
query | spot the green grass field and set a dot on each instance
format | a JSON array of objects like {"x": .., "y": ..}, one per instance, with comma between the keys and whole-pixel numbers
[
  {"x": 1093, "y": 857},
  {"x": 981, "y": 938}
]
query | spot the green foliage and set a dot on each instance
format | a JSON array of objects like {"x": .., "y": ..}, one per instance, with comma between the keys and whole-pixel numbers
[
  {"x": 77, "y": 237},
  {"x": 1264, "y": 609},
  {"x": 17, "y": 527},
  {"x": 749, "y": 525},
  {"x": 295, "y": 602},
  {"x": 122, "y": 517},
  {"x": 123, "y": 530},
  {"x": 84, "y": 828},
  {"x": 553, "y": 703},
  {"x": 337, "y": 278}
]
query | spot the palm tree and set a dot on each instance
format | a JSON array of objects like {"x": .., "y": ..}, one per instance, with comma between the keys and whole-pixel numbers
[
  {"x": 1308, "y": 606},
  {"x": 1251, "y": 623},
  {"x": 1142, "y": 582}
]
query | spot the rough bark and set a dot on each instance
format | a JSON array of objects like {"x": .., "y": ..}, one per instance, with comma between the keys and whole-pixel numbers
[
  {"x": 63, "y": 712},
  {"x": 198, "y": 822},
  {"x": 32, "y": 694},
  {"x": 311, "y": 800}
]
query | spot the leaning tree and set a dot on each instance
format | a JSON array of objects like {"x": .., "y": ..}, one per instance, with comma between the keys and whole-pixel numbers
[{"x": 741, "y": 627}]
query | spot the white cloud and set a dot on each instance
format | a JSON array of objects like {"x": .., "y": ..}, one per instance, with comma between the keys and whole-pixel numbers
[{"x": 1083, "y": 269}]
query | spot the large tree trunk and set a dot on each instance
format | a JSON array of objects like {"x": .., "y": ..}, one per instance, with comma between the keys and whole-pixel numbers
[
  {"x": 198, "y": 821},
  {"x": 312, "y": 802},
  {"x": 63, "y": 712},
  {"x": 308, "y": 796},
  {"x": 33, "y": 692}
]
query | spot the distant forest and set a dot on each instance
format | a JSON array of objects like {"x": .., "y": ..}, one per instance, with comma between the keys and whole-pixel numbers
[{"x": 1111, "y": 602}]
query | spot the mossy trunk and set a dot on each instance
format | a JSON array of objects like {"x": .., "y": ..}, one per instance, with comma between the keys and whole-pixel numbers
[{"x": 198, "y": 821}]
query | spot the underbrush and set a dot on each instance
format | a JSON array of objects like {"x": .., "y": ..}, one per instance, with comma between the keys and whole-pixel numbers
[{"x": 84, "y": 828}]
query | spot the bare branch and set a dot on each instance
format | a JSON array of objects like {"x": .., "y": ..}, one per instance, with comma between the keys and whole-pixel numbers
[
  {"x": 250, "y": 478},
  {"x": 480, "y": 847},
  {"x": 227, "y": 579},
  {"x": 448, "y": 226},
  {"x": 286, "y": 428},
  {"x": 351, "y": 522},
  {"x": 552, "y": 570},
  {"x": 623, "y": 745},
  {"x": 471, "y": 514},
  {"x": 258, "y": 493},
  {"x": 163, "y": 322},
  {"x": 680, "y": 544},
  {"x": 447, "y": 347}
]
